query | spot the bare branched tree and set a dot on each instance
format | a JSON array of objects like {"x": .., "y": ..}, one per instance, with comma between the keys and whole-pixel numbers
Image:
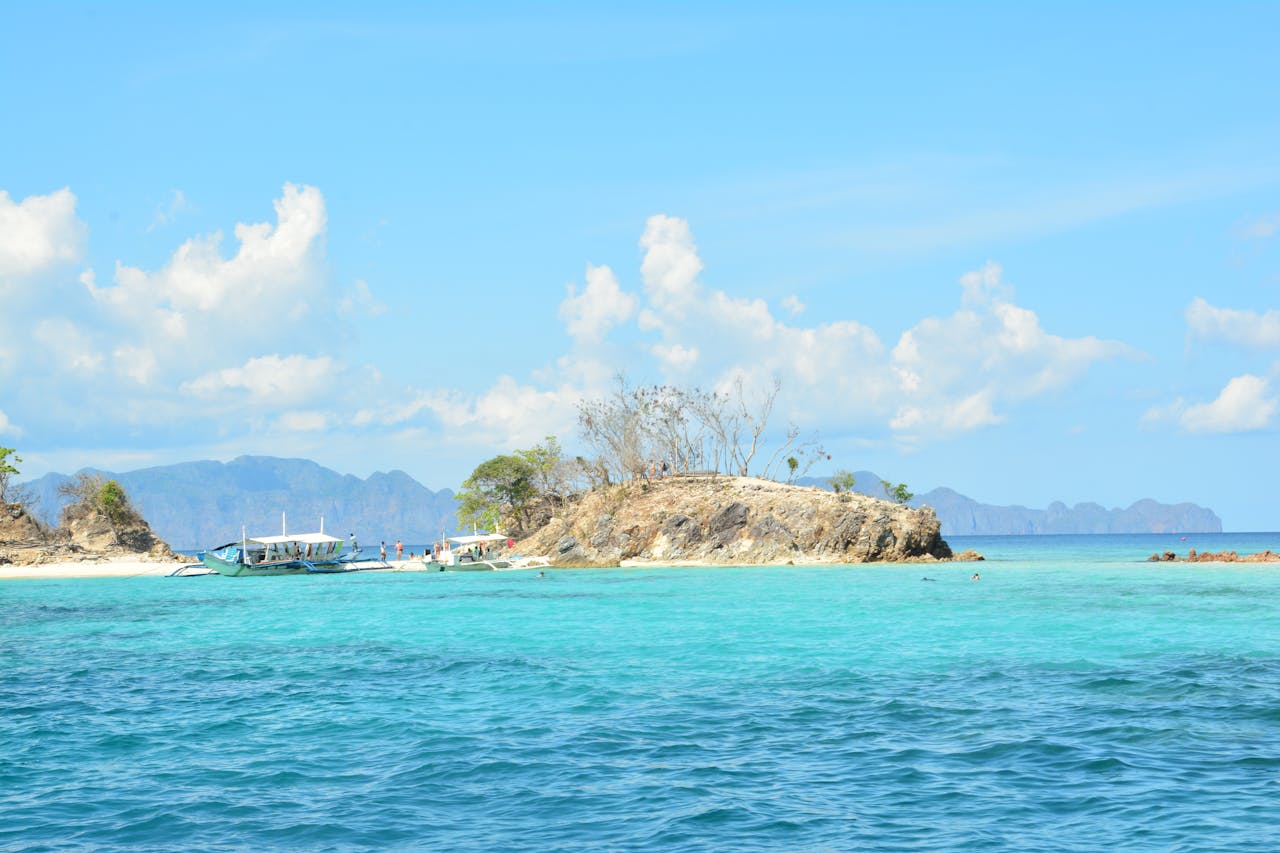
[{"x": 636, "y": 430}]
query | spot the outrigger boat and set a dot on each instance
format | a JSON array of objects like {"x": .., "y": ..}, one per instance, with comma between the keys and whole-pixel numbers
[
  {"x": 286, "y": 554},
  {"x": 469, "y": 554}
]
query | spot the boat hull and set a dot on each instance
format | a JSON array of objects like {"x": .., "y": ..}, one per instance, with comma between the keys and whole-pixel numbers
[
  {"x": 237, "y": 569},
  {"x": 468, "y": 566}
]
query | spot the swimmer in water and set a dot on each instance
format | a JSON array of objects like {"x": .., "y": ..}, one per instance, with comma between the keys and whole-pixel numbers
[
  {"x": 976, "y": 577},
  {"x": 931, "y": 580},
  {"x": 542, "y": 574}
]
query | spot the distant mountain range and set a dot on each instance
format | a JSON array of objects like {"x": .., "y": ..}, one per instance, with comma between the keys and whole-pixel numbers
[
  {"x": 963, "y": 516},
  {"x": 195, "y": 505}
]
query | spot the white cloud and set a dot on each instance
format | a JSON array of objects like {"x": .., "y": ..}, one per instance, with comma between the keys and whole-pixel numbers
[
  {"x": 136, "y": 363},
  {"x": 671, "y": 265},
  {"x": 1233, "y": 325},
  {"x": 68, "y": 346},
  {"x": 360, "y": 302},
  {"x": 166, "y": 213},
  {"x": 273, "y": 379},
  {"x": 303, "y": 421},
  {"x": 590, "y": 315},
  {"x": 274, "y": 272},
  {"x": 952, "y": 372},
  {"x": 1243, "y": 405},
  {"x": 793, "y": 304},
  {"x": 507, "y": 415},
  {"x": 985, "y": 286},
  {"x": 972, "y": 412},
  {"x": 38, "y": 233},
  {"x": 8, "y": 426},
  {"x": 676, "y": 357}
]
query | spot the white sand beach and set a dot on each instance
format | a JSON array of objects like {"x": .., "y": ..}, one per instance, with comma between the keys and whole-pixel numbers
[{"x": 107, "y": 567}]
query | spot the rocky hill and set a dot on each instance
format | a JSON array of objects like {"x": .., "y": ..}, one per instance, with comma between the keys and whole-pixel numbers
[
  {"x": 85, "y": 534},
  {"x": 734, "y": 521}
]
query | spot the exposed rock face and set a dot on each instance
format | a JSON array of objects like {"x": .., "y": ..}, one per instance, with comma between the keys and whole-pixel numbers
[
  {"x": 20, "y": 534},
  {"x": 93, "y": 532},
  {"x": 734, "y": 521},
  {"x": 84, "y": 535}
]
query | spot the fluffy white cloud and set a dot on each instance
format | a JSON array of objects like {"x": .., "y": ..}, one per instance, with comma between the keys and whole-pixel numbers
[
  {"x": 272, "y": 279},
  {"x": 279, "y": 380},
  {"x": 953, "y": 371},
  {"x": 676, "y": 357},
  {"x": 1243, "y": 405},
  {"x": 671, "y": 265},
  {"x": 792, "y": 303},
  {"x": 837, "y": 359},
  {"x": 38, "y": 233},
  {"x": 1233, "y": 326},
  {"x": 589, "y": 315},
  {"x": 507, "y": 415},
  {"x": 8, "y": 426}
]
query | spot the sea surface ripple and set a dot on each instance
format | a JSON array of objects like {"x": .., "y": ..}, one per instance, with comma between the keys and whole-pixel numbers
[{"x": 1057, "y": 704}]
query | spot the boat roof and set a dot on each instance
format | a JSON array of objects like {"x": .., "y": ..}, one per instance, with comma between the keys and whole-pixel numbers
[
  {"x": 304, "y": 538},
  {"x": 479, "y": 537}
]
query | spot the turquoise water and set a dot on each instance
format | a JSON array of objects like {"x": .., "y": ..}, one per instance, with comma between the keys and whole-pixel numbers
[{"x": 1075, "y": 698}]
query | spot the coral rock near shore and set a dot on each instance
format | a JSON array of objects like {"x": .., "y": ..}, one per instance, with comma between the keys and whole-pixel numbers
[{"x": 734, "y": 521}]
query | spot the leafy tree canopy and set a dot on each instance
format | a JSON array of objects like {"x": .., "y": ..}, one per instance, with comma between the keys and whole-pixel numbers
[
  {"x": 498, "y": 489},
  {"x": 8, "y": 460},
  {"x": 843, "y": 481}
]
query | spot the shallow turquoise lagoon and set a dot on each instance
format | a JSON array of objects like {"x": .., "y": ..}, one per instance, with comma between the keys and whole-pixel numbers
[{"x": 1075, "y": 698}]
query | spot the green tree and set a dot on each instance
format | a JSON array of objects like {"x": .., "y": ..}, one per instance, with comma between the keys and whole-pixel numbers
[
  {"x": 114, "y": 502},
  {"x": 499, "y": 490},
  {"x": 93, "y": 493},
  {"x": 547, "y": 461},
  {"x": 898, "y": 493},
  {"x": 843, "y": 481},
  {"x": 7, "y": 472},
  {"x": 792, "y": 464}
]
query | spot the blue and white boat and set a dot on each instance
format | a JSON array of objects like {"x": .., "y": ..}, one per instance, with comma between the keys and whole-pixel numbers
[{"x": 286, "y": 554}]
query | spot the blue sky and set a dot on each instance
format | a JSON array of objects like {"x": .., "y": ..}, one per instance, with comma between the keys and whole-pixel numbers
[{"x": 1028, "y": 251}]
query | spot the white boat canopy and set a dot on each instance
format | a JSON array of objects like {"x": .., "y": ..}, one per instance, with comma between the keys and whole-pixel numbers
[
  {"x": 302, "y": 538},
  {"x": 480, "y": 537}
]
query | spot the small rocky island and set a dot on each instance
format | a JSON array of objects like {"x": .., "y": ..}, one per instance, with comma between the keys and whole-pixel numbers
[
  {"x": 99, "y": 524},
  {"x": 729, "y": 520}
]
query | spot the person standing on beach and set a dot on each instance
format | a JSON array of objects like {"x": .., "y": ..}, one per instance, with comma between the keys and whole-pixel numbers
[
  {"x": 383, "y": 551},
  {"x": 399, "y": 551}
]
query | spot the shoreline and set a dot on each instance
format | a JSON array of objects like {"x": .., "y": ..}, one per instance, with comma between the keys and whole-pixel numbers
[{"x": 107, "y": 567}]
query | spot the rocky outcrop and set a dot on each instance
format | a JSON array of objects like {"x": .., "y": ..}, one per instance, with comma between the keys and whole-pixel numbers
[
  {"x": 84, "y": 535},
  {"x": 1215, "y": 557},
  {"x": 734, "y": 521}
]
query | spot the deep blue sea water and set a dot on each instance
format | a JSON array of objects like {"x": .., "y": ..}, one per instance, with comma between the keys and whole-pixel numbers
[{"x": 1075, "y": 698}]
